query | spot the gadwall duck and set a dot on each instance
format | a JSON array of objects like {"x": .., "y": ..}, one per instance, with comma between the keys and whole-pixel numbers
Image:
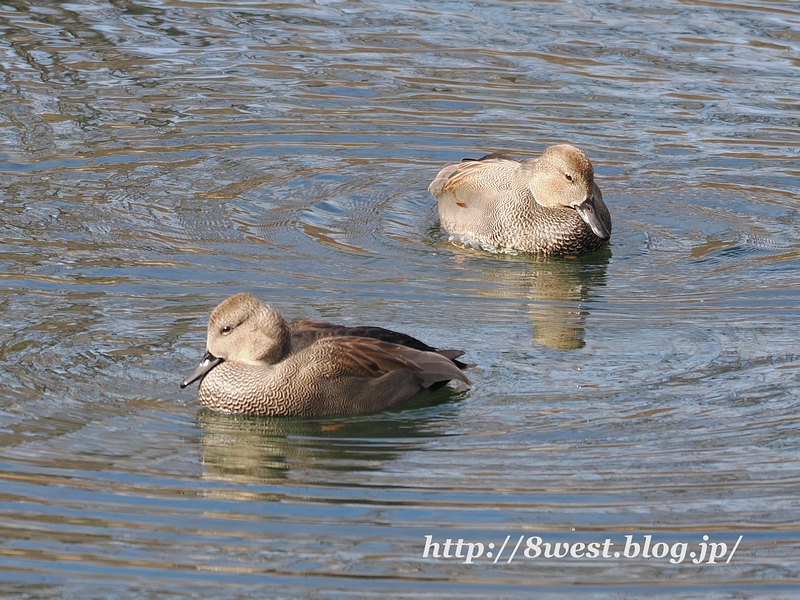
[
  {"x": 256, "y": 363},
  {"x": 549, "y": 205}
]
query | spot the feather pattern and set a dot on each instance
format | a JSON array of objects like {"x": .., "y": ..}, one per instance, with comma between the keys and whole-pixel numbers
[
  {"x": 257, "y": 363},
  {"x": 550, "y": 205}
]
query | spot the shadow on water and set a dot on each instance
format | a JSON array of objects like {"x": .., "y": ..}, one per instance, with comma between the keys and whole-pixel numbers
[{"x": 248, "y": 449}]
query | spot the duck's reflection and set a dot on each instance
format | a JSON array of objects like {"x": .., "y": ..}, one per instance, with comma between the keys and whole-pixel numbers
[
  {"x": 558, "y": 291},
  {"x": 246, "y": 449}
]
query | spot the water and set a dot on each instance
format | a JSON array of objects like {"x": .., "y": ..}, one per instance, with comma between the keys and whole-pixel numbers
[{"x": 158, "y": 156}]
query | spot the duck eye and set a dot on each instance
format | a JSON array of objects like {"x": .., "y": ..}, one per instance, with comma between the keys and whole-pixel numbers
[{"x": 568, "y": 176}]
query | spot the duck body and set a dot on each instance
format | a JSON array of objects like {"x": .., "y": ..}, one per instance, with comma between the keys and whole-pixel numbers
[
  {"x": 259, "y": 364},
  {"x": 547, "y": 206}
]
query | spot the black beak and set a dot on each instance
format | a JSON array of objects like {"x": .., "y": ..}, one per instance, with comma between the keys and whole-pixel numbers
[
  {"x": 588, "y": 213},
  {"x": 209, "y": 362}
]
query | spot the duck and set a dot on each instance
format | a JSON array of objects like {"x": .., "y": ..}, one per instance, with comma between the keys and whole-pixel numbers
[
  {"x": 549, "y": 205},
  {"x": 257, "y": 363}
]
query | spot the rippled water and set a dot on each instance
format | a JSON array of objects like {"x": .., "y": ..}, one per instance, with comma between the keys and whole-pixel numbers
[{"x": 158, "y": 156}]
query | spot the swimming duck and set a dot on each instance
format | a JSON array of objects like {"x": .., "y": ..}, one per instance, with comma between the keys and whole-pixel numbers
[
  {"x": 550, "y": 205},
  {"x": 256, "y": 363}
]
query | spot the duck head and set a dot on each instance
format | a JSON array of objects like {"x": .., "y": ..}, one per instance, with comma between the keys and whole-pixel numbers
[
  {"x": 563, "y": 177},
  {"x": 243, "y": 329}
]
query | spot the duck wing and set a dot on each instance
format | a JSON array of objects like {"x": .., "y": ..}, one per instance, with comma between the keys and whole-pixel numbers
[
  {"x": 493, "y": 173},
  {"x": 306, "y": 332},
  {"x": 367, "y": 357}
]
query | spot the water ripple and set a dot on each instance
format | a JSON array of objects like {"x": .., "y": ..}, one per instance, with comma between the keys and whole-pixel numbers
[{"x": 157, "y": 157}]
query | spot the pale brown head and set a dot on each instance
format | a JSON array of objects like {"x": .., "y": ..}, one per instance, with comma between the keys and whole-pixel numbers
[
  {"x": 243, "y": 329},
  {"x": 563, "y": 177}
]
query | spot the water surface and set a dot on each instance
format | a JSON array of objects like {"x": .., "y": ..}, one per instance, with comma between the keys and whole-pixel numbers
[{"x": 158, "y": 156}]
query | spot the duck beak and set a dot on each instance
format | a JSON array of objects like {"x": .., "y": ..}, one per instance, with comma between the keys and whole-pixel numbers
[
  {"x": 209, "y": 362},
  {"x": 588, "y": 213}
]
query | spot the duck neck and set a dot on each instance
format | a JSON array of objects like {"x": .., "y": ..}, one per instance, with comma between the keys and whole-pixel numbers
[{"x": 278, "y": 333}]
